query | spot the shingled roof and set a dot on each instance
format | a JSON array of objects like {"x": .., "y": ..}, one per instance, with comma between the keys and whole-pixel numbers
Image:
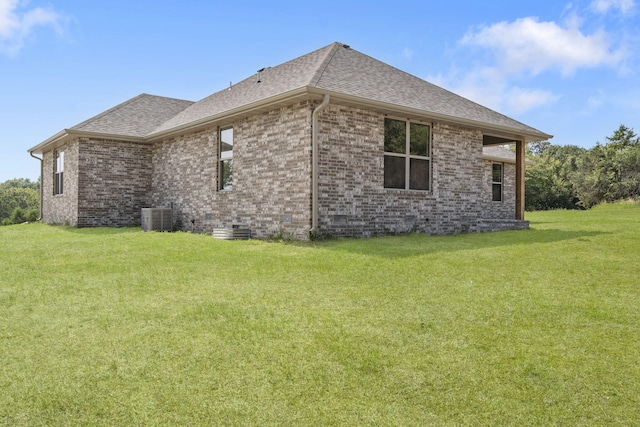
[
  {"x": 501, "y": 154},
  {"x": 291, "y": 77},
  {"x": 344, "y": 72},
  {"x": 347, "y": 75},
  {"x": 136, "y": 117},
  {"x": 356, "y": 74}
]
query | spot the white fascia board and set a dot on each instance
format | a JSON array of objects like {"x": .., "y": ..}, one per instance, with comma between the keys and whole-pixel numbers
[
  {"x": 66, "y": 135},
  {"x": 58, "y": 139},
  {"x": 495, "y": 130}
]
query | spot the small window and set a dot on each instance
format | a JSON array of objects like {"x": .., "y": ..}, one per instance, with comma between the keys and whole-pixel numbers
[
  {"x": 58, "y": 172},
  {"x": 496, "y": 182},
  {"x": 226, "y": 159},
  {"x": 407, "y": 158}
]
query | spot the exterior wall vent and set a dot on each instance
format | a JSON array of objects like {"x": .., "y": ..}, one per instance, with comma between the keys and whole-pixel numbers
[
  {"x": 234, "y": 233},
  {"x": 157, "y": 219}
]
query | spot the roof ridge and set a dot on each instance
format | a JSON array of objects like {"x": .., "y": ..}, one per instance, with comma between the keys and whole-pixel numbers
[
  {"x": 325, "y": 62},
  {"x": 160, "y": 96}
]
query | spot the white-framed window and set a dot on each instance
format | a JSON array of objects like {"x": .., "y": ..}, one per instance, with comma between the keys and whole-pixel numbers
[
  {"x": 496, "y": 181},
  {"x": 407, "y": 155},
  {"x": 225, "y": 178},
  {"x": 58, "y": 172}
]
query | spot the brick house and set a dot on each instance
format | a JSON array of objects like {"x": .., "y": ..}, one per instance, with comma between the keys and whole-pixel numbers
[{"x": 333, "y": 141}]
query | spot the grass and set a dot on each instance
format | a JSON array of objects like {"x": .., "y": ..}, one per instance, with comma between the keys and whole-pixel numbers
[{"x": 120, "y": 327}]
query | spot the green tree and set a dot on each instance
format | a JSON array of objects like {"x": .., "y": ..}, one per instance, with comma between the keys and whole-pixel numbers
[
  {"x": 535, "y": 148},
  {"x": 611, "y": 171},
  {"x": 19, "y": 201},
  {"x": 622, "y": 138},
  {"x": 20, "y": 183},
  {"x": 550, "y": 180}
]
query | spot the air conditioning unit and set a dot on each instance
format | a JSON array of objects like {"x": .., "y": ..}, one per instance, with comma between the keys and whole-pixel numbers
[{"x": 157, "y": 219}]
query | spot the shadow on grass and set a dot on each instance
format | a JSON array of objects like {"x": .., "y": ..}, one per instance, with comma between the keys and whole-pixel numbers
[
  {"x": 97, "y": 231},
  {"x": 404, "y": 246},
  {"x": 413, "y": 245}
]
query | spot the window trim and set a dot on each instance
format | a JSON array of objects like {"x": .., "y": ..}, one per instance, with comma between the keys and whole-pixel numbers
[
  {"x": 223, "y": 157},
  {"x": 500, "y": 183},
  {"x": 58, "y": 172},
  {"x": 408, "y": 156}
]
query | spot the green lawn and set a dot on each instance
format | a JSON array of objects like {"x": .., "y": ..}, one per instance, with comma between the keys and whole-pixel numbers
[{"x": 120, "y": 327}]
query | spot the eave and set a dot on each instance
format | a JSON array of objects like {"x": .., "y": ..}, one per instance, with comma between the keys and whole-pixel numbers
[
  {"x": 67, "y": 135},
  {"x": 226, "y": 117},
  {"x": 500, "y": 134},
  {"x": 506, "y": 134}
]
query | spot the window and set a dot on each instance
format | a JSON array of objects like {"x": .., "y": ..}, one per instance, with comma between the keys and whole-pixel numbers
[
  {"x": 496, "y": 182},
  {"x": 58, "y": 172},
  {"x": 407, "y": 159},
  {"x": 226, "y": 159}
]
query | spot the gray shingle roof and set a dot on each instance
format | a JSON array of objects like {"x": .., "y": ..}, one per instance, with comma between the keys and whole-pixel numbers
[
  {"x": 295, "y": 74},
  {"x": 498, "y": 152},
  {"x": 136, "y": 117},
  {"x": 335, "y": 68},
  {"x": 340, "y": 69},
  {"x": 353, "y": 73}
]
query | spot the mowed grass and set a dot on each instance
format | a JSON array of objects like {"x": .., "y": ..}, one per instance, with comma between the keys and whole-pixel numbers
[{"x": 120, "y": 327}]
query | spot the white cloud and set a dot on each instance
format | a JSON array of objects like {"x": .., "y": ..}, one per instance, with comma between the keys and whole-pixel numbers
[
  {"x": 407, "y": 53},
  {"x": 520, "y": 100},
  {"x": 17, "y": 25},
  {"x": 483, "y": 85},
  {"x": 490, "y": 87},
  {"x": 603, "y": 6},
  {"x": 531, "y": 47},
  {"x": 502, "y": 59}
]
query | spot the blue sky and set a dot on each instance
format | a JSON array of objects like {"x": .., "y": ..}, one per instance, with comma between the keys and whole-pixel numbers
[{"x": 566, "y": 68}]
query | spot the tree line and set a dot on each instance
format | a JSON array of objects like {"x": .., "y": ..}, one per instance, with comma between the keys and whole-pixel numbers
[
  {"x": 19, "y": 201},
  {"x": 572, "y": 177}
]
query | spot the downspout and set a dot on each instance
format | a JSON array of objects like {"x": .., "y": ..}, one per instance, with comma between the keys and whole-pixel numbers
[
  {"x": 314, "y": 162},
  {"x": 41, "y": 169}
]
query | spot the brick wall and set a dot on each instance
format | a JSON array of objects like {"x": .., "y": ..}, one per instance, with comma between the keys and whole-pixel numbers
[
  {"x": 108, "y": 182},
  {"x": 183, "y": 178},
  {"x": 271, "y": 176},
  {"x": 354, "y": 202},
  {"x": 61, "y": 208},
  {"x": 505, "y": 209},
  {"x": 114, "y": 179}
]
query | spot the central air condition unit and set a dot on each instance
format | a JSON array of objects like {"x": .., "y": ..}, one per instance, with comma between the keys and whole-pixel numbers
[{"x": 157, "y": 219}]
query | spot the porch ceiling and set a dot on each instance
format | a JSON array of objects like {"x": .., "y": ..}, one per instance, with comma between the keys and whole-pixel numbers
[{"x": 496, "y": 140}]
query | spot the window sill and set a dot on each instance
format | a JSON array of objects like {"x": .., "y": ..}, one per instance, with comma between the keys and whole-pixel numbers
[{"x": 404, "y": 190}]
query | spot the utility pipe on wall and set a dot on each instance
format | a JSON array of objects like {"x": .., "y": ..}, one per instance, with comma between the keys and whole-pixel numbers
[
  {"x": 41, "y": 168},
  {"x": 314, "y": 161}
]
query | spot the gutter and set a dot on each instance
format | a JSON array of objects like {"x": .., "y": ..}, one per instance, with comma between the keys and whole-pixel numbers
[
  {"x": 41, "y": 180},
  {"x": 506, "y": 132},
  {"x": 67, "y": 134},
  {"x": 314, "y": 161},
  {"x": 528, "y": 135}
]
